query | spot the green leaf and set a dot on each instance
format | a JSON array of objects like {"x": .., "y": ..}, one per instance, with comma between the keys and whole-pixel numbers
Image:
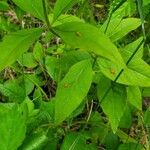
[
  {"x": 36, "y": 141},
  {"x": 13, "y": 90},
  {"x": 124, "y": 137},
  {"x": 88, "y": 37},
  {"x": 129, "y": 49},
  {"x": 111, "y": 141},
  {"x": 34, "y": 7},
  {"x": 61, "y": 6},
  {"x": 130, "y": 146},
  {"x": 27, "y": 103},
  {"x": 48, "y": 108},
  {"x": 14, "y": 44},
  {"x": 26, "y": 83},
  {"x": 38, "y": 52},
  {"x": 12, "y": 127},
  {"x": 116, "y": 5},
  {"x": 72, "y": 90},
  {"x": 4, "y": 6},
  {"x": 118, "y": 28},
  {"x": 114, "y": 103},
  {"x": 146, "y": 92},
  {"x": 76, "y": 141},
  {"x": 52, "y": 66},
  {"x": 37, "y": 96},
  {"x": 63, "y": 19},
  {"x": 70, "y": 58},
  {"x": 99, "y": 132},
  {"x": 27, "y": 59},
  {"x": 134, "y": 96},
  {"x": 27, "y": 108},
  {"x": 137, "y": 73},
  {"x": 126, "y": 119},
  {"x": 57, "y": 67},
  {"x": 17, "y": 89},
  {"x": 128, "y": 8},
  {"x": 146, "y": 2},
  {"x": 146, "y": 117}
]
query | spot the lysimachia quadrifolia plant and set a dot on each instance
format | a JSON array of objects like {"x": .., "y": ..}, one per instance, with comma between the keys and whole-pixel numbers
[{"x": 85, "y": 55}]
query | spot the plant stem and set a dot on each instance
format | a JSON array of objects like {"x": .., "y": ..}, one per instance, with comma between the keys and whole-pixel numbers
[
  {"x": 119, "y": 74},
  {"x": 47, "y": 20},
  {"x": 140, "y": 10}
]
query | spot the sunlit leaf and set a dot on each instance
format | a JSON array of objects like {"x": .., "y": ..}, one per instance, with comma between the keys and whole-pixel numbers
[
  {"x": 12, "y": 127},
  {"x": 72, "y": 90},
  {"x": 15, "y": 44}
]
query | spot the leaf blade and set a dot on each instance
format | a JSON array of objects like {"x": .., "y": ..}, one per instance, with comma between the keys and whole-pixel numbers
[
  {"x": 114, "y": 103},
  {"x": 34, "y": 7},
  {"x": 88, "y": 37},
  {"x": 118, "y": 28},
  {"x": 12, "y": 127},
  {"x": 72, "y": 90},
  {"x": 14, "y": 44},
  {"x": 61, "y": 6}
]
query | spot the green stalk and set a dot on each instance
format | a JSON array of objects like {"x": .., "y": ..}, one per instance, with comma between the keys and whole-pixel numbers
[
  {"x": 140, "y": 10},
  {"x": 46, "y": 18},
  {"x": 131, "y": 57},
  {"x": 119, "y": 74}
]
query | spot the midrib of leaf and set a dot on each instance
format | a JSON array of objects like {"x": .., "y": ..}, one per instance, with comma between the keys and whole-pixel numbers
[
  {"x": 99, "y": 47},
  {"x": 120, "y": 29},
  {"x": 74, "y": 82},
  {"x": 120, "y": 73},
  {"x": 116, "y": 26},
  {"x": 141, "y": 73},
  {"x": 74, "y": 143},
  {"x": 77, "y": 78}
]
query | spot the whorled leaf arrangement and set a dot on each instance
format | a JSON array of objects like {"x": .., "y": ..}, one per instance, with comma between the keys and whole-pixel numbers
[{"x": 72, "y": 80}]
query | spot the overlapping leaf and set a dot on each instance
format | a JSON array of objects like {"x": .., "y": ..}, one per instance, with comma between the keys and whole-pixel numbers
[
  {"x": 76, "y": 141},
  {"x": 72, "y": 90},
  {"x": 134, "y": 96},
  {"x": 137, "y": 73},
  {"x": 61, "y": 6},
  {"x": 114, "y": 103},
  {"x": 88, "y": 37},
  {"x": 12, "y": 127},
  {"x": 34, "y": 7},
  {"x": 14, "y": 44},
  {"x": 118, "y": 28},
  {"x": 35, "y": 141}
]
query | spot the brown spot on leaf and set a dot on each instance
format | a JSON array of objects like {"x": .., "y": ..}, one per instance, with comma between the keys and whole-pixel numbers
[{"x": 78, "y": 34}]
